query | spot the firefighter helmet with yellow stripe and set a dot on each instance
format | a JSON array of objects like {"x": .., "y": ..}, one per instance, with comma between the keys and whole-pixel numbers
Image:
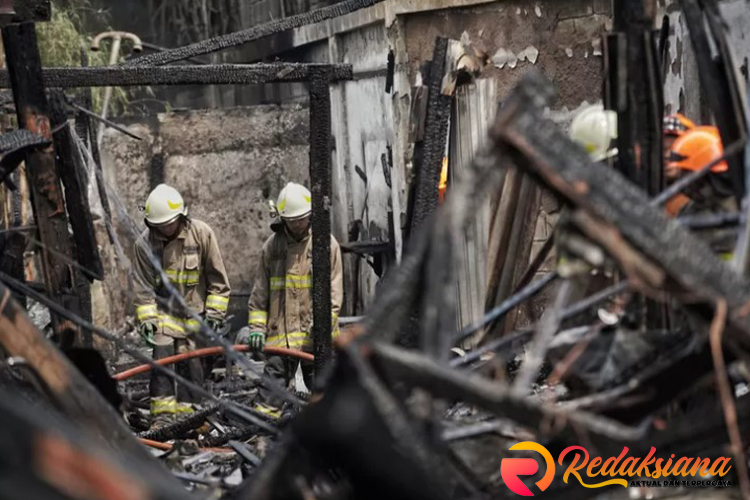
[
  {"x": 595, "y": 128},
  {"x": 295, "y": 202},
  {"x": 164, "y": 205}
]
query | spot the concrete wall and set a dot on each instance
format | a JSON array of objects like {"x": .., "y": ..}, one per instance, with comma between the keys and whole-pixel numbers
[
  {"x": 226, "y": 164},
  {"x": 560, "y": 37}
]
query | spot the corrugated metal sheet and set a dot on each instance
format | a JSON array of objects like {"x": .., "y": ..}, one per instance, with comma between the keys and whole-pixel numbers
[
  {"x": 475, "y": 108},
  {"x": 363, "y": 128}
]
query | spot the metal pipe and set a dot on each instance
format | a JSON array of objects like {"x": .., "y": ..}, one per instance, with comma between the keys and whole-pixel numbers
[{"x": 116, "y": 37}]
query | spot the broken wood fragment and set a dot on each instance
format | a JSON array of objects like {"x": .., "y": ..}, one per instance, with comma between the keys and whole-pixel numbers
[{"x": 25, "y": 73}]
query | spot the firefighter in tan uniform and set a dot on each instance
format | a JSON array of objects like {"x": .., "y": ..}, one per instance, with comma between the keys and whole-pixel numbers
[
  {"x": 187, "y": 251},
  {"x": 280, "y": 307}
]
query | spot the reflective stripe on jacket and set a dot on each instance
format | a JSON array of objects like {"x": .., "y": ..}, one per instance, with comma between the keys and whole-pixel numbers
[
  {"x": 192, "y": 262},
  {"x": 281, "y": 301}
]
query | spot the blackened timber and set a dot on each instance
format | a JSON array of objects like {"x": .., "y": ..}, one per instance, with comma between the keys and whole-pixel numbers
[
  {"x": 15, "y": 145},
  {"x": 320, "y": 177},
  {"x": 537, "y": 145},
  {"x": 25, "y": 75},
  {"x": 639, "y": 123},
  {"x": 230, "y": 40},
  {"x": 436, "y": 137},
  {"x": 73, "y": 177},
  {"x": 181, "y": 426},
  {"x": 220, "y": 74}
]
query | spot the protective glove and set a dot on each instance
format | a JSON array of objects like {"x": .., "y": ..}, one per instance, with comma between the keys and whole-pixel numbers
[
  {"x": 215, "y": 324},
  {"x": 255, "y": 340},
  {"x": 147, "y": 331}
]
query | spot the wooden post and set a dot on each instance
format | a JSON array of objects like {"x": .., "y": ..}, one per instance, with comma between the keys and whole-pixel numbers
[
  {"x": 320, "y": 176},
  {"x": 25, "y": 72}
]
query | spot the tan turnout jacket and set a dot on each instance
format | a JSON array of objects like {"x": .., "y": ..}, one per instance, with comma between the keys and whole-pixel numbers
[
  {"x": 281, "y": 301},
  {"x": 194, "y": 266}
]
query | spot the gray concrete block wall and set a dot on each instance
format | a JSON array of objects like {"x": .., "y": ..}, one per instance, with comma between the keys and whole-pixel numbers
[{"x": 226, "y": 163}]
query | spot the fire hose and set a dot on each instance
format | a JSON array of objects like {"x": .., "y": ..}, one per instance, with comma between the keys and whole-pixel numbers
[
  {"x": 211, "y": 351},
  {"x": 167, "y": 446}
]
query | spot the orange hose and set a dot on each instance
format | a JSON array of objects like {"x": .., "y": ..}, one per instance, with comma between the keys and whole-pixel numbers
[
  {"x": 166, "y": 446},
  {"x": 211, "y": 351}
]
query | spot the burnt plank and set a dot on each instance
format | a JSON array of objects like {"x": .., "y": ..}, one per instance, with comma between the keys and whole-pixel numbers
[
  {"x": 219, "y": 74},
  {"x": 320, "y": 175},
  {"x": 14, "y": 146},
  {"x": 72, "y": 172},
  {"x": 435, "y": 139}
]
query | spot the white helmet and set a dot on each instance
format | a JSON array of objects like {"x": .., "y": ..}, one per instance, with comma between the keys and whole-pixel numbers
[
  {"x": 295, "y": 201},
  {"x": 595, "y": 128},
  {"x": 164, "y": 205}
]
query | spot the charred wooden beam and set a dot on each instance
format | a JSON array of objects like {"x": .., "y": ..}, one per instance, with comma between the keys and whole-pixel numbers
[
  {"x": 25, "y": 76},
  {"x": 387, "y": 439},
  {"x": 182, "y": 426},
  {"x": 639, "y": 127},
  {"x": 230, "y": 40},
  {"x": 73, "y": 175},
  {"x": 639, "y": 116},
  {"x": 435, "y": 139},
  {"x": 625, "y": 220},
  {"x": 15, "y": 145},
  {"x": 320, "y": 175},
  {"x": 220, "y": 74}
]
